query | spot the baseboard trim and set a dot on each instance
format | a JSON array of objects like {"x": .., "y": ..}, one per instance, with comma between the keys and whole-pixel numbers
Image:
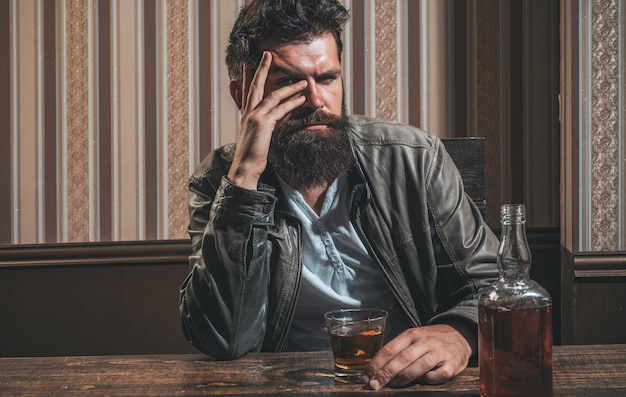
[
  {"x": 101, "y": 253},
  {"x": 599, "y": 264}
]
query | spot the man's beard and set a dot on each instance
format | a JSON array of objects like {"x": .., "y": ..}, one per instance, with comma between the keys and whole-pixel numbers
[{"x": 311, "y": 158}]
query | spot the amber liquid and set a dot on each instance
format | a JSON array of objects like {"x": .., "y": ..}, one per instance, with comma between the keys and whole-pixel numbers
[
  {"x": 515, "y": 352},
  {"x": 354, "y": 346}
]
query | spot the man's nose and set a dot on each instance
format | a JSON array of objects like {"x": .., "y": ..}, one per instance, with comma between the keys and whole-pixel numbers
[{"x": 313, "y": 99}]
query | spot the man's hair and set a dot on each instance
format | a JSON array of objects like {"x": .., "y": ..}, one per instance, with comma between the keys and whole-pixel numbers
[{"x": 282, "y": 20}]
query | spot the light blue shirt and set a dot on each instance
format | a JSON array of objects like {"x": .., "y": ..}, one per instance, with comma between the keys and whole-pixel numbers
[{"x": 338, "y": 271}]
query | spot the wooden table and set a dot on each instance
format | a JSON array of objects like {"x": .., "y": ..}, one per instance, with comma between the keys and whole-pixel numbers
[{"x": 578, "y": 371}]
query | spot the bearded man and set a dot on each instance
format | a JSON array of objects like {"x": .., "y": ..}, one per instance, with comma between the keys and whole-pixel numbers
[{"x": 313, "y": 210}]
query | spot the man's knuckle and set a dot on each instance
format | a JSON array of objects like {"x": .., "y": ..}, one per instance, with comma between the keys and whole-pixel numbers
[
  {"x": 388, "y": 351},
  {"x": 405, "y": 358},
  {"x": 447, "y": 372},
  {"x": 403, "y": 378},
  {"x": 440, "y": 375},
  {"x": 385, "y": 374},
  {"x": 430, "y": 361}
]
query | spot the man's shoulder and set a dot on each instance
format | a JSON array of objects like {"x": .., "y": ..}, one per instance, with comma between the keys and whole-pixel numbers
[
  {"x": 215, "y": 164},
  {"x": 373, "y": 131}
]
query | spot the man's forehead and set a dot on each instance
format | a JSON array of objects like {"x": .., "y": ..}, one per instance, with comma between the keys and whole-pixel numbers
[
  {"x": 277, "y": 44},
  {"x": 288, "y": 56}
]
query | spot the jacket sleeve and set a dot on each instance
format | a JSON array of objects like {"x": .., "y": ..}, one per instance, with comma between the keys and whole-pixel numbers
[
  {"x": 223, "y": 300},
  {"x": 465, "y": 247}
]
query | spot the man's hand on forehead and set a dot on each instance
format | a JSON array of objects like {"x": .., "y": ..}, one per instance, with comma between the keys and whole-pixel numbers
[{"x": 260, "y": 112}]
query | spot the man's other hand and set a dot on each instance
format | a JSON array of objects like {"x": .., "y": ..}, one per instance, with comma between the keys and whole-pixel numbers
[{"x": 431, "y": 354}]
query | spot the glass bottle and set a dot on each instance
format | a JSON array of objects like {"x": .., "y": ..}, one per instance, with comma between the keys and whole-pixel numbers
[{"x": 514, "y": 320}]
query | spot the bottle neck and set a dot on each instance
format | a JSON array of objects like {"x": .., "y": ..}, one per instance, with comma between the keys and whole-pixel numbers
[{"x": 514, "y": 256}]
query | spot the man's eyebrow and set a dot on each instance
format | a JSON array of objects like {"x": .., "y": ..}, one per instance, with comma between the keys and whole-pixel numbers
[
  {"x": 280, "y": 69},
  {"x": 293, "y": 73},
  {"x": 330, "y": 73}
]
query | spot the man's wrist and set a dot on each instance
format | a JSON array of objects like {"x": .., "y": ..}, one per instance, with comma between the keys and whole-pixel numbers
[
  {"x": 244, "y": 181},
  {"x": 469, "y": 331}
]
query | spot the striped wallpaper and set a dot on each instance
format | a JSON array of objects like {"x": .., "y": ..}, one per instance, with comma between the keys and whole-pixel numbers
[
  {"x": 108, "y": 105},
  {"x": 108, "y": 108},
  {"x": 601, "y": 154}
]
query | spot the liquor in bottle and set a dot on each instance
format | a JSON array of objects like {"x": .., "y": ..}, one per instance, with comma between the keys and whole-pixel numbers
[{"x": 514, "y": 320}]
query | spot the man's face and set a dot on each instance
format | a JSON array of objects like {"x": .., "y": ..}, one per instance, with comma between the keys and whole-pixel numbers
[
  {"x": 311, "y": 145},
  {"x": 315, "y": 61}
]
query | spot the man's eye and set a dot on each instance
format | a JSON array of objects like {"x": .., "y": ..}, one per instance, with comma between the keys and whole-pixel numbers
[
  {"x": 286, "y": 82},
  {"x": 327, "y": 79}
]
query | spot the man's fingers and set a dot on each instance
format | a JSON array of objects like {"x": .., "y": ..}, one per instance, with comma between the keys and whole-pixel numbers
[
  {"x": 253, "y": 94},
  {"x": 431, "y": 354},
  {"x": 275, "y": 106},
  {"x": 245, "y": 86},
  {"x": 437, "y": 375},
  {"x": 282, "y": 101},
  {"x": 388, "y": 352},
  {"x": 407, "y": 364}
]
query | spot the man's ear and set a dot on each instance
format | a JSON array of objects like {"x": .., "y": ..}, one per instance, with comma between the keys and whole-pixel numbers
[{"x": 237, "y": 93}]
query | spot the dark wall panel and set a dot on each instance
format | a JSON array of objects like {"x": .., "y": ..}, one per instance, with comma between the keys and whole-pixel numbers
[
  {"x": 92, "y": 310},
  {"x": 92, "y": 299}
]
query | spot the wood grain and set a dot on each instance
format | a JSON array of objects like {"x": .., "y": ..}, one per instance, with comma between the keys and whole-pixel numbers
[{"x": 578, "y": 371}]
